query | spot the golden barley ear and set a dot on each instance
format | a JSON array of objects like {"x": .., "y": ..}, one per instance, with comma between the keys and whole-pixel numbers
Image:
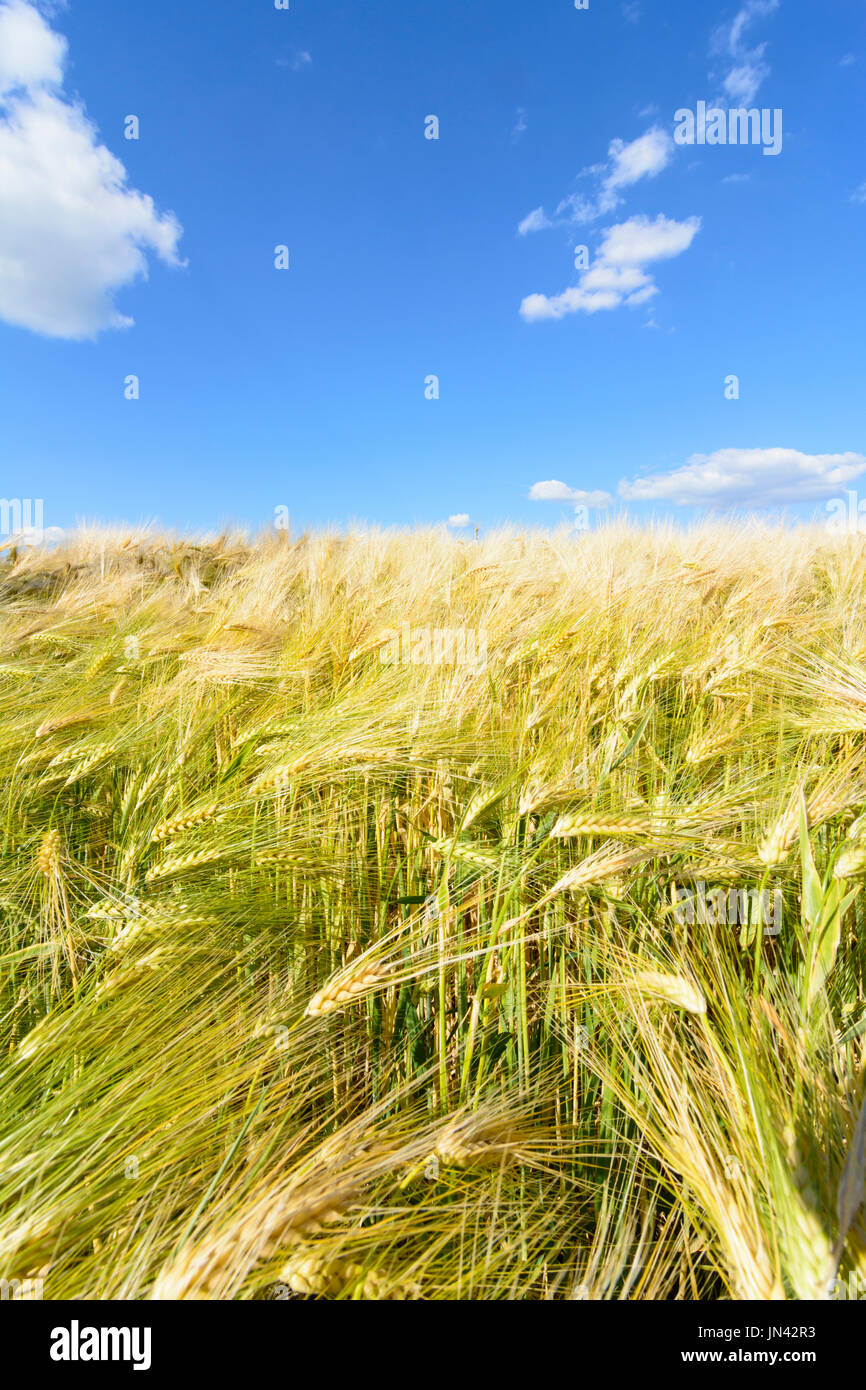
[{"x": 48, "y": 854}]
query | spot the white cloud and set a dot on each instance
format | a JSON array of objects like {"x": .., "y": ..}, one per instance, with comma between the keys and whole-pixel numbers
[
  {"x": 746, "y": 67},
  {"x": 536, "y": 307},
  {"x": 640, "y": 240},
  {"x": 859, "y": 194},
  {"x": 520, "y": 123},
  {"x": 560, "y": 492},
  {"x": 644, "y": 158},
  {"x": 625, "y": 279},
  {"x": 72, "y": 233},
  {"x": 574, "y": 210},
  {"x": 34, "y": 536},
  {"x": 641, "y": 296},
  {"x": 618, "y": 276},
  {"x": 759, "y": 477},
  {"x": 742, "y": 82},
  {"x": 848, "y": 61},
  {"x": 536, "y": 221},
  {"x": 459, "y": 520},
  {"x": 31, "y": 54},
  {"x": 627, "y": 164}
]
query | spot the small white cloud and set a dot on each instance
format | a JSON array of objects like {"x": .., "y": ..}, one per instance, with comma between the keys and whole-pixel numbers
[
  {"x": 536, "y": 307},
  {"x": 35, "y": 536},
  {"x": 746, "y": 67},
  {"x": 627, "y": 164},
  {"x": 577, "y": 209},
  {"x": 849, "y": 60},
  {"x": 756, "y": 477},
  {"x": 859, "y": 194},
  {"x": 639, "y": 240},
  {"x": 459, "y": 521},
  {"x": 631, "y": 11},
  {"x": 536, "y": 221},
  {"x": 742, "y": 82},
  {"x": 520, "y": 123},
  {"x": 554, "y": 491},
  {"x": 624, "y": 279},
  {"x": 618, "y": 275},
  {"x": 72, "y": 233},
  {"x": 643, "y": 158},
  {"x": 642, "y": 296}
]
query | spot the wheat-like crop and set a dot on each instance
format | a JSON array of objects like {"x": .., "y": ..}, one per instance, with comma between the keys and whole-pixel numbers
[{"x": 371, "y": 980}]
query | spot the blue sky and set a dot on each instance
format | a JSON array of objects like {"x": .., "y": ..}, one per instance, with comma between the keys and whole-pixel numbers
[{"x": 412, "y": 257}]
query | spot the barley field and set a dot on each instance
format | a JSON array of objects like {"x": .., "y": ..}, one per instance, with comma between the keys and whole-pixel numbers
[{"x": 383, "y": 915}]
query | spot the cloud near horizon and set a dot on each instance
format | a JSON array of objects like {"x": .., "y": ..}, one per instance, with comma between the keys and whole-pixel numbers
[
  {"x": 554, "y": 491},
  {"x": 756, "y": 477},
  {"x": 618, "y": 275},
  {"x": 72, "y": 233}
]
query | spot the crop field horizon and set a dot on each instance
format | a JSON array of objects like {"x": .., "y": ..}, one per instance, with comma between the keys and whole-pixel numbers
[{"x": 391, "y": 916}]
